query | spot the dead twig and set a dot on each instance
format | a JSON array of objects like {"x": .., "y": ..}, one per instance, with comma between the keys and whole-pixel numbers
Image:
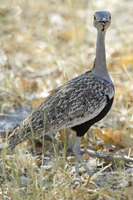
[{"x": 108, "y": 157}]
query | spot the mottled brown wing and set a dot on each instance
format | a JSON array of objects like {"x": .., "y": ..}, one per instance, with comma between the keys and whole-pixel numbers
[{"x": 75, "y": 102}]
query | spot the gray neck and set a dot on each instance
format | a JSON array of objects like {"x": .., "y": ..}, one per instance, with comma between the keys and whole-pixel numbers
[{"x": 100, "y": 68}]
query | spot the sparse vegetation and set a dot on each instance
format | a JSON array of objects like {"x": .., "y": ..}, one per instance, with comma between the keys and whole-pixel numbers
[{"x": 42, "y": 45}]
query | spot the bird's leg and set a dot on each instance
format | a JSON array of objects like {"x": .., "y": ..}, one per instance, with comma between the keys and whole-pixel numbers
[
  {"x": 76, "y": 152},
  {"x": 78, "y": 157}
]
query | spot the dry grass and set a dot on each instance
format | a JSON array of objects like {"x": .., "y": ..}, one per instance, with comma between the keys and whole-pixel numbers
[{"x": 42, "y": 45}]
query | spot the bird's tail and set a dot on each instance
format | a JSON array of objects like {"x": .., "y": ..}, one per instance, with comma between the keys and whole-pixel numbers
[
  {"x": 14, "y": 138},
  {"x": 20, "y": 134}
]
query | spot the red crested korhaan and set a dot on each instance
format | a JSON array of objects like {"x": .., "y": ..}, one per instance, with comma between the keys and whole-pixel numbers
[{"x": 77, "y": 104}]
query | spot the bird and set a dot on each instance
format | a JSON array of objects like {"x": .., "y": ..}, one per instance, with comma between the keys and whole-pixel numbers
[{"x": 77, "y": 104}]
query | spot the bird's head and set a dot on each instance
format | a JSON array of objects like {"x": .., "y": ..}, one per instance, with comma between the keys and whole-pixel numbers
[{"x": 102, "y": 20}]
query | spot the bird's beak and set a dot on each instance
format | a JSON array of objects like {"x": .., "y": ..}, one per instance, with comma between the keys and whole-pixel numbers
[{"x": 103, "y": 21}]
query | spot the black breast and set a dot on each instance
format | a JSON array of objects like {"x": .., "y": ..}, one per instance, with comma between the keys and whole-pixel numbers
[{"x": 83, "y": 128}]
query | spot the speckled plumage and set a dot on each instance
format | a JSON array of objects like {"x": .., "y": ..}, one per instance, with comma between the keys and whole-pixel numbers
[{"x": 74, "y": 103}]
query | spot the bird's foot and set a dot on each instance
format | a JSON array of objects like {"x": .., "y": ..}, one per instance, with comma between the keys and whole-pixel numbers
[
  {"x": 84, "y": 164},
  {"x": 79, "y": 160}
]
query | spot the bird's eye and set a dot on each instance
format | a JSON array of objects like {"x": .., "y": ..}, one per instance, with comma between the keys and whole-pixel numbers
[
  {"x": 94, "y": 17},
  {"x": 109, "y": 17}
]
